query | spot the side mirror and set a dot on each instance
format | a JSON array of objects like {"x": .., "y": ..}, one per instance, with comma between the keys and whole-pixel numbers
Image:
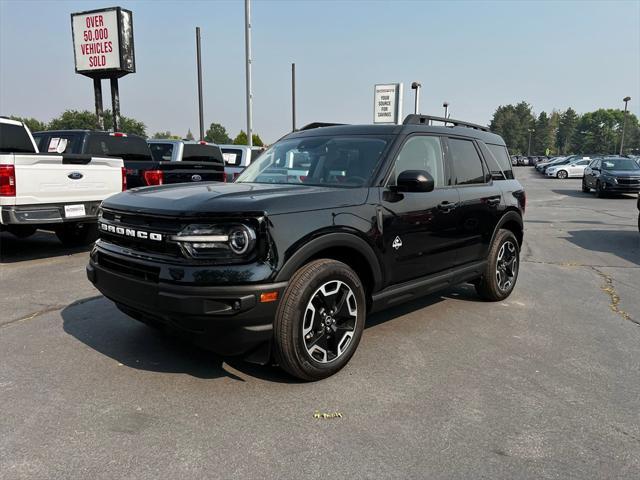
[{"x": 415, "y": 181}]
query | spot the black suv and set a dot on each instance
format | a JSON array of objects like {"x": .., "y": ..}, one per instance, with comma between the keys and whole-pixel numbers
[{"x": 328, "y": 225}]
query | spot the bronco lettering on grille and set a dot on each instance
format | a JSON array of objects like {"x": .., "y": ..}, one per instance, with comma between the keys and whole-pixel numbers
[{"x": 130, "y": 232}]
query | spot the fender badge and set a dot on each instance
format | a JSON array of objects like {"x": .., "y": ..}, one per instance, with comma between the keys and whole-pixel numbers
[{"x": 397, "y": 243}]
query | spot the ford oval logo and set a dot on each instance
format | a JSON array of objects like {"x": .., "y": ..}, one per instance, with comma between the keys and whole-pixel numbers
[
  {"x": 196, "y": 177},
  {"x": 75, "y": 175}
]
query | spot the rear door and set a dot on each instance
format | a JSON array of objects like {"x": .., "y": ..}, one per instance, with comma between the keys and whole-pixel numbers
[{"x": 480, "y": 199}]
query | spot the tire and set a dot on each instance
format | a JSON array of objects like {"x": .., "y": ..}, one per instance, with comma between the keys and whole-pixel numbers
[
  {"x": 22, "y": 231},
  {"x": 77, "y": 234},
  {"x": 585, "y": 188},
  {"x": 306, "y": 343},
  {"x": 599, "y": 190},
  {"x": 562, "y": 174},
  {"x": 499, "y": 278}
]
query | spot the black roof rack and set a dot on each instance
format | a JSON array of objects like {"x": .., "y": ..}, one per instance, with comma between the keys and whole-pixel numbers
[
  {"x": 313, "y": 125},
  {"x": 415, "y": 119}
]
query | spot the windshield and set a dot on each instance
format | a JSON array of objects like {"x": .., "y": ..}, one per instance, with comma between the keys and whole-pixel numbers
[
  {"x": 339, "y": 161},
  {"x": 620, "y": 164}
]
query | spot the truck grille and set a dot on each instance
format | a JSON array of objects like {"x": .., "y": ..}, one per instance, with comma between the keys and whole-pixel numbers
[{"x": 125, "y": 267}]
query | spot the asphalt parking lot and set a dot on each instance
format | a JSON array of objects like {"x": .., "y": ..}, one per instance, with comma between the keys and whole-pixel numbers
[{"x": 543, "y": 385}]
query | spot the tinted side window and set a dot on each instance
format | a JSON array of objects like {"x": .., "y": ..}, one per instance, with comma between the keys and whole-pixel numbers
[
  {"x": 501, "y": 156},
  {"x": 161, "y": 152},
  {"x": 15, "y": 139},
  {"x": 232, "y": 156},
  {"x": 467, "y": 165},
  {"x": 420, "y": 153},
  {"x": 127, "y": 148}
]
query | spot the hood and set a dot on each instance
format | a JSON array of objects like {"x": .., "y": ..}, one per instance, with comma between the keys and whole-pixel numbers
[
  {"x": 211, "y": 198},
  {"x": 622, "y": 173}
]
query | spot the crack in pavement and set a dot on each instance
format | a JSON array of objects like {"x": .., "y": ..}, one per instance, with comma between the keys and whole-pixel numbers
[
  {"x": 610, "y": 290},
  {"x": 50, "y": 308}
]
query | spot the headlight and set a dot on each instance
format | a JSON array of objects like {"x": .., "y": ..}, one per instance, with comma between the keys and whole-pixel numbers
[{"x": 217, "y": 241}]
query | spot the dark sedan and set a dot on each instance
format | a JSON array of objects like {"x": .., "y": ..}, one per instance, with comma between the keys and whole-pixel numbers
[{"x": 612, "y": 175}]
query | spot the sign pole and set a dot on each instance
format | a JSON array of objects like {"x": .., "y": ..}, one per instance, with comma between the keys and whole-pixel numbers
[
  {"x": 247, "y": 42},
  {"x": 199, "y": 61},
  {"x": 293, "y": 95},
  {"x": 97, "y": 90},
  {"x": 115, "y": 104}
]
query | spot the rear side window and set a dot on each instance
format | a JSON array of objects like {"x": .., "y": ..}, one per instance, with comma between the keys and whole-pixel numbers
[
  {"x": 467, "y": 164},
  {"x": 61, "y": 143},
  {"x": 232, "y": 156},
  {"x": 15, "y": 139},
  {"x": 127, "y": 148},
  {"x": 40, "y": 139},
  {"x": 498, "y": 161},
  {"x": 161, "y": 152},
  {"x": 201, "y": 153}
]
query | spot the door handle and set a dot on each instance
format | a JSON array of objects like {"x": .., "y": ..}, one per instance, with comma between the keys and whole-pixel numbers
[
  {"x": 447, "y": 206},
  {"x": 493, "y": 201}
]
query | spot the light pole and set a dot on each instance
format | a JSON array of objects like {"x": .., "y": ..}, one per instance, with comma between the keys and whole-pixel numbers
[
  {"x": 416, "y": 86},
  {"x": 624, "y": 122},
  {"x": 446, "y": 109},
  {"x": 199, "y": 65},
  {"x": 247, "y": 51},
  {"x": 293, "y": 96},
  {"x": 531, "y": 130}
]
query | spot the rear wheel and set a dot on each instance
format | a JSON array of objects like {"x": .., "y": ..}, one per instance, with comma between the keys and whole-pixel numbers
[
  {"x": 585, "y": 187},
  {"x": 501, "y": 272},
  {"x": 320, "y": 320},
  {"x": 77, "y": 234},
  {"x": 562, "y": 174}
]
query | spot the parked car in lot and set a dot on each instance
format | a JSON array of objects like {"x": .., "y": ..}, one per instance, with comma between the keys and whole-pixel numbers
[
  {"x": 565, "y": 161},
  {"x": 141, "y": 168},
  {"x": 52, "y": 191},
  {"x": 290, "y": 265},
  {"x": 541, "y": 165},
  {"x": 237, "y": 158},
  {"x": 612, "y": 175},
  {"x": 566, "y": 170},
  {"x": 192, "y": 155}
]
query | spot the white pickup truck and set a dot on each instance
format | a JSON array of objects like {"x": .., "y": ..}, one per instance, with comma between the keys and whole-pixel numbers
[{"x": 52, "y": 191}]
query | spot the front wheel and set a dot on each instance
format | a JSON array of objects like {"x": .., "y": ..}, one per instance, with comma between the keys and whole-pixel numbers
[
  {"x": 599, "y": 190},
  {"x": 77, "y": 234},
  {"x": 585, "y": 188},
  {"x": 320, "y": 320},
  {"x": 562, "y": 174},
  {"x": 501, "y": 272}
]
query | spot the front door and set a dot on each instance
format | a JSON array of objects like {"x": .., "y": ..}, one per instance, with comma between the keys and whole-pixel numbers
[{"x": 419, "y": 228}]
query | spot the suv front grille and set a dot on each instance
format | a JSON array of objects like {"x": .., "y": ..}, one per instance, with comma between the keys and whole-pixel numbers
[
  {"x": 628, "y": 181},
  {"x": 132, "y": 269}
]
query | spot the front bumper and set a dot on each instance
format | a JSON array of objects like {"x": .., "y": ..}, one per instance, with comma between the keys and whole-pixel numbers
[
  {"x": 46, "y": 213},
  {"x": 229, "y": 320},
  {"x": 609, "y": 186}
]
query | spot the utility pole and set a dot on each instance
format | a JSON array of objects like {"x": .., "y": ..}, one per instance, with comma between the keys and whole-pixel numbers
[
  {"x": 247, "y": 43},
  {"x": 445, "y": 105},
  {"x": 293, "y": 96},
  {"x": 624, "y": 123},
  {"x": 199, "y": 62},
  {"x": 531, "y": 130},
  {"x": 97, "y": 90},
  {"x": 416, "y": 86},
  {"x": 115, "y": 104}
]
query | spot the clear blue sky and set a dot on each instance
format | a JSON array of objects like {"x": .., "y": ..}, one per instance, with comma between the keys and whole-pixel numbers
[{"x": 476, "y": 55}]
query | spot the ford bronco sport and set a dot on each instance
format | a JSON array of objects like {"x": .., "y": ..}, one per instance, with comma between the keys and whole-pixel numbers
[{"x": 328, "y": 225}]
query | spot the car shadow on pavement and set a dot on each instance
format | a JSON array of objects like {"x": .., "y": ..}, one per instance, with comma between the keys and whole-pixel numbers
[
  {"x": 40, "y": 245},
  {"x": 578, "y": 193},
  {"x": 624, "y": 244},
  {"x": 97, "y": 323}
]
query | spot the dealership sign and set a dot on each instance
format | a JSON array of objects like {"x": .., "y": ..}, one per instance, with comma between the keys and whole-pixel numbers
[
  {"x": 103, "y": 42},
  {"x": 387, "y": 103}
]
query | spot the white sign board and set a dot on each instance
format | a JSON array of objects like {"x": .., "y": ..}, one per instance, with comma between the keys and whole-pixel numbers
[
  {"x": 387, "y": 103},
  {"x": 95, "y": 40}
]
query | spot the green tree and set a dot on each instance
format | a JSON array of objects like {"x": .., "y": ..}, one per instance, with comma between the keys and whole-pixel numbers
[
  {"x": 74, "y": 119},
  {"x": 241, "y": 138},
  {"x": 566, "y": 131},
  {"x": 257, "y": 141},
  {"x": 600, "y": 131},
  {"x": 165, "y": 135},
  {"x": 512, "y": 122},
  {"x": 34, "y": 124},
  {"x": 189, "y": 135},
  {"x": 543, "y": 137},
  {"x": 218, "y": 134}
]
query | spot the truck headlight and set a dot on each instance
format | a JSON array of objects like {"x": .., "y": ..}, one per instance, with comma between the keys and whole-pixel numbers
[{"x": 217, "y": 241}]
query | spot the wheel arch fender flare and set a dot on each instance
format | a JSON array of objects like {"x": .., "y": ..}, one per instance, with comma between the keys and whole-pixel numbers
[
  {"x": 331, "y": 241},
  {"x": 510, "y": 216}
]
